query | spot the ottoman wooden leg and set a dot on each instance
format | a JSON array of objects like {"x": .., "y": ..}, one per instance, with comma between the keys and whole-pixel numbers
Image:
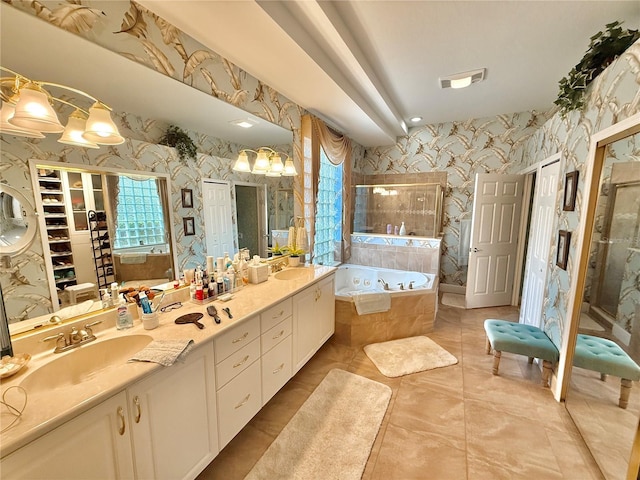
[
  {"x": 625, "y": 390},
  {"x": 546, "y": 372},
  {"x": 603, "y": 377},
  {"x": 496, "y": 361},
  {"x": 488, "y": 346},
  {"x": 530, "y": 360}
]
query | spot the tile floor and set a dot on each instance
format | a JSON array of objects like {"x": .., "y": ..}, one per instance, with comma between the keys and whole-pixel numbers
[{"x": 458, "y": 422}]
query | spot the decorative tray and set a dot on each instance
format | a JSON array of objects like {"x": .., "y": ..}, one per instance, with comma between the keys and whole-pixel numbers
[{"x": 12, "y": 365}]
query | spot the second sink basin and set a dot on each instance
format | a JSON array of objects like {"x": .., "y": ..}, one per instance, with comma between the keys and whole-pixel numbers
[
  {"x": 292, "y": 274},
  {"x": 84, "y": 363}
]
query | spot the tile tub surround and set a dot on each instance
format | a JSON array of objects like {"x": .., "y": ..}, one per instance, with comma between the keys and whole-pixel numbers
[
  {"x": 51, "y": 408},
  {"x": 411, "y": 314}
]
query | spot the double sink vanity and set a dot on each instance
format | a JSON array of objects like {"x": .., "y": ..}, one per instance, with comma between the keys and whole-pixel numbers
[{"x": 91, "y": 413}]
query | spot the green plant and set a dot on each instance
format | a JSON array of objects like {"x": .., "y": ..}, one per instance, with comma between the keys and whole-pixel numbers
[
  {"x": 604, "y": 48},
  {"x": 177, "y": 138},
  {"x": 278, "y": 250},
  {"x": 296, "y": 252}
]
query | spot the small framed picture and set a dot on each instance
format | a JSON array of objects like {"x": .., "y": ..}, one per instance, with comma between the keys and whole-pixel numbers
[
  {"x": 570, "y": 188},
  {"x": 564, "y": 240},
  {"x": 189, "y": 226},
  {"x": 187, "y": 198}
]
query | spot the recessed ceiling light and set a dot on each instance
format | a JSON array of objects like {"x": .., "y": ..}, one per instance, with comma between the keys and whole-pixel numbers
[
  {"x": 244, "y": 123},
  {"x": 415, "y": 119},
  {"x": 462, "y": 80}
]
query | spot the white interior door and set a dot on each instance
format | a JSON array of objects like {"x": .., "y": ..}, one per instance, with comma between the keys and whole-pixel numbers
[
  {"x": 535, "y": 273},
  {"x": 495, "y": 223},
  {"x": 216, "y": 196}
]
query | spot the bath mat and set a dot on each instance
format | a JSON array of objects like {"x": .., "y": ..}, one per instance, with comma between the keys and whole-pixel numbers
[
  {"x": 331, "y": 436},
  {"x": 453, "y": 300},
  {"x": 408, "y": 355}
]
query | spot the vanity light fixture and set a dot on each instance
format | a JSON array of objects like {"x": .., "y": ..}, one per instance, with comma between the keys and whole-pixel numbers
[
  {"x": 268, "y": 162},
  {"x": 27, "y": 111},
  {"x": 464, "y": 79}
]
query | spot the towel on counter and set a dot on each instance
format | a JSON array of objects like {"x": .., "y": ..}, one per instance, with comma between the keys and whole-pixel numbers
[
  {"x": 164, "y": 352},
  {"x": 133, "y": 258},
  {"x": 372, "y": 302}
]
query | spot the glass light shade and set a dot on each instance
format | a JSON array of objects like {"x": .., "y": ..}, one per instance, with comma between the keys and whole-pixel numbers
[
  {"x": 262, "y": 163},
  {"x": 461, "y": 82},
  {"x": 33, "y": 111},
  {"x": 242, "y": 163},
  {"x": 100, "y": 128},
  {"x": 289, "y": 169},
  {"x": 276, "y": 164},
  {"x": 6, "y": 112},
  {"x": 73, "y": 132}
]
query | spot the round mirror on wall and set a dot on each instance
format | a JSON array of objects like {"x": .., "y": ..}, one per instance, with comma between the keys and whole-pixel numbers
[{"x": 17, "y": 221}]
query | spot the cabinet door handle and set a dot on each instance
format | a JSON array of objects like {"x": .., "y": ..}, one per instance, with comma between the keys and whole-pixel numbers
[
  {"x": 279, "y": 314},
  {"x": 122, "y": 427},
  {"x": 243, "y": 402},
  {"x": 239, "y": 339},
  {"x": 278, "y": 369},
  {"x": 136, "y": 402},
  {"x": 278, "y": 335},
  {"x": 241, "y": 362}
]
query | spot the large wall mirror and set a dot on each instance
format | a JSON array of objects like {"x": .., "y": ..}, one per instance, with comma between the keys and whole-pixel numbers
[
  {"x": 42, "y": 51},
  {"x": 608, "y": 303}
]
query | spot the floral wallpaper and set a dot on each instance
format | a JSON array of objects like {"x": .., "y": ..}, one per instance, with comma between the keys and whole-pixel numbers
[{"x": 462, "y": 149}]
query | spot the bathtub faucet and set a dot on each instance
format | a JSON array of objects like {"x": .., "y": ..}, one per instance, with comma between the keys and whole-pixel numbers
[
  {"x": 384, "y": 284},
  {"x": 411, "y": 284},
  {"x": 401, "y": 285}
]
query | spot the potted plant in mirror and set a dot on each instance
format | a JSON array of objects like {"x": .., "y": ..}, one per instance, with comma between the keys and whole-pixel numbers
[
  {"x": 277, "y": 250},
  {"x": 294, "y": 256}
]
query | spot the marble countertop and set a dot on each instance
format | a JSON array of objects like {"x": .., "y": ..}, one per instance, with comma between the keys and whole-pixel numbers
[{"x": 50, "y": 408}]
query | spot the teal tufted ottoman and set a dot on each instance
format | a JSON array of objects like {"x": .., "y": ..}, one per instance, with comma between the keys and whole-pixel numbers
[
  {"x": 521, "y": 339},
  {"x": 604, "y": 356}
]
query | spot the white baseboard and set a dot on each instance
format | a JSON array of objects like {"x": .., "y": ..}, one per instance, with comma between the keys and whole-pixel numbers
[
  {"x": 621, "y": 334},
  {"x": 450, "y": 288}
]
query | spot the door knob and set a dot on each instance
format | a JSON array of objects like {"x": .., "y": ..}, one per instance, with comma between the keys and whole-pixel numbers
[{"x": 475, "y": 250}]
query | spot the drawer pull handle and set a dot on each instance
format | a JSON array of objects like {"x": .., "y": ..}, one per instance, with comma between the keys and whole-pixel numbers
[
  {"x": 278, "y": 369},
  {"x": 241, "y": 362},
  {"x": 279, "y": 314},
  {"x": 121, "y": 429},
  {"x": 243, "y": 402},
  {"x": 239, "y": 339},
  {"x": 278, "y": 335},
  {"x": 136, "y": 402}
]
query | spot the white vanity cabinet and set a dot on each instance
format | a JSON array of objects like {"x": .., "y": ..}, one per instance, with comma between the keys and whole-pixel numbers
[
  {"x": 276, "y": 326},
  {"x": 173, "y": 420},
  {"x": 313, "y": 320},
  {"x": 95, "y": 444}
]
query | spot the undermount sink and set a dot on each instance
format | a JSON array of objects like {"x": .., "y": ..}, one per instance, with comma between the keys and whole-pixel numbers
[
  {"x": 84, "y": 363},
  {"x": 291, "y": 274}
]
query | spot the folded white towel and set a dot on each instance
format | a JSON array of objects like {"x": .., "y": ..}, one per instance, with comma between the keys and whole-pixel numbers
[
  {"x": 133, "y": 258},
  {"x": 164, "y": 352},
  {"x": 372, "y": 302}
]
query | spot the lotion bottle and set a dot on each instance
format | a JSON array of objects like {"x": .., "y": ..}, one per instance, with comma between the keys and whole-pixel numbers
[
  {"x": 403, "y": 230},
  {"x": 124, "y": 319}
]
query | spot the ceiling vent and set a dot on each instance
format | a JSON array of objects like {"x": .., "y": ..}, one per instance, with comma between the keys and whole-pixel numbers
[{"x": 464, "y": 79}]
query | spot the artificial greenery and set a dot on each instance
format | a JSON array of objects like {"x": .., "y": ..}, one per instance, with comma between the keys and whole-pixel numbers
[
  {"x": 177, "y": 138},
  {"x": 604, "y": 48}
]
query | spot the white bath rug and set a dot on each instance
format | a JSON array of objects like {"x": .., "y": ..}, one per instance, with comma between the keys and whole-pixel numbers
[
  {"x": 453, "y": 300},
  {"x": 331, "y": 436},
  {"x": 408, "y": 355}
]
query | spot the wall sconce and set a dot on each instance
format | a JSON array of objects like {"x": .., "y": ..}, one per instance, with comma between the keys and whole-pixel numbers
[
  {"x": 268, "y": 162},
  {"x": 27, "y": 112}
]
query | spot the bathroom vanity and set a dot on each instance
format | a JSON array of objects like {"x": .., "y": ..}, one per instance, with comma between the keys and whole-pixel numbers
[{"x": 142, "y": 420}]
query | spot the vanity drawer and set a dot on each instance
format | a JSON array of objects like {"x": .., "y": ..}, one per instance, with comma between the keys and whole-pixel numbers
[
  {"x": 236, "y": 338},
  {"x": 237, "y": 362},
  {"x": 276, "y": 369},
  {"x": 274, "y": 315},
  {"x": 275, "y": 335},
  {"x": 238, "y": 401}
]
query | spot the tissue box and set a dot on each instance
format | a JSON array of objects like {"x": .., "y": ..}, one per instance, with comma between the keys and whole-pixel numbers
[{"x": 258, "y": 273}]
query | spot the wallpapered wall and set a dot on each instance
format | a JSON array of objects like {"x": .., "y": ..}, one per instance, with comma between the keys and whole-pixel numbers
[{"x": 462, "y": 149}]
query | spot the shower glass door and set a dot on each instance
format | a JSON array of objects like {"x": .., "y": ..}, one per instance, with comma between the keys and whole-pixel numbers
[{"x": 623, "y": 224}]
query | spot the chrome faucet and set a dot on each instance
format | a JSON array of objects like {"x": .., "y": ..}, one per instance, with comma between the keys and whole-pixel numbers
[
  {"x": 385, "y": 285},
  {"x": 73, "y": 339},
  {"x": 411, "y": 284},
  {"x": 401, "y": 285}
]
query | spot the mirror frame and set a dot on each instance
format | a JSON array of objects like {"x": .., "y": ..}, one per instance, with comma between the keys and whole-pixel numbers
[
  {"x": 595, "y": 163},
  {"x": 32, "y": 223}
]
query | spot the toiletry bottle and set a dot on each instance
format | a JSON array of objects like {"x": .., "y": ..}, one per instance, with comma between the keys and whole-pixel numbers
[
  {"x": 227, "y": 261},
  {"x": 403, "y": 230},
  {"x": 124, "y": 319},
  {"x": 115, "y": 294},
  {"x": 106, "y": 299},
  {"x": 231, "y": 275},
  {"x": 192, "y": 289},
  {"x": 144, "y": 303},
  {"x": 395, "y": 230},
  {"x": 220, "y": 282},
  {"x": 389, "y": 229}
]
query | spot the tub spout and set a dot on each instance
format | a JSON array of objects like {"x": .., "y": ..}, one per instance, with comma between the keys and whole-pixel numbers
[
  {"x": 411, "y": 285},
  {"x": 385, "y": 285},
  {"x": 401, "y": 285}
]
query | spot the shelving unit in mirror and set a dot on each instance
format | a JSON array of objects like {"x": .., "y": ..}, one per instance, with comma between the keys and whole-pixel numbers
[{"x": 101, "y": 247}]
